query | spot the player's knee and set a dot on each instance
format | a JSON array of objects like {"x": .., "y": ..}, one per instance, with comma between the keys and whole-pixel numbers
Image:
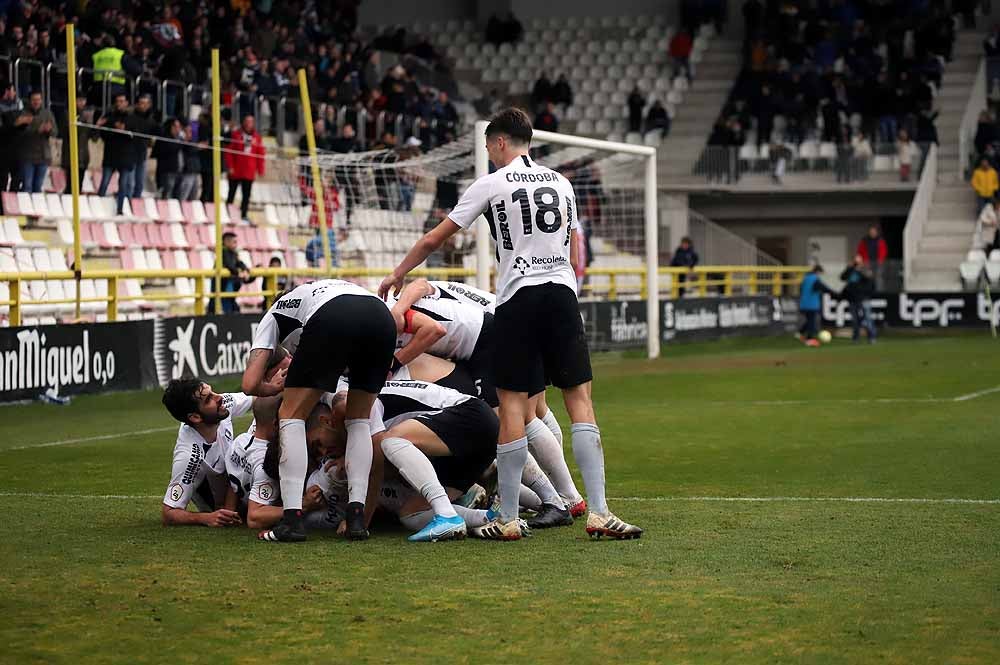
[{"x": 393, "y": 445}]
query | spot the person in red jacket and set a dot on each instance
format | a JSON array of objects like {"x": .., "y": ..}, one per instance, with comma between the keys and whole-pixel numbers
[
  {"x": 680, "y": 51},
  {"x": 874, "y": 252},
  {"x": 245, "y": 161}
]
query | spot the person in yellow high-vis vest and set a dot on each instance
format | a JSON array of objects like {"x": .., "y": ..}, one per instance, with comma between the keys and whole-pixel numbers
[{"x": 108, "y": 63}]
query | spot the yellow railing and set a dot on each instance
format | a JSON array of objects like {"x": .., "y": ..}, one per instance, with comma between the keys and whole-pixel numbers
[{"x": 727, "y": 280}]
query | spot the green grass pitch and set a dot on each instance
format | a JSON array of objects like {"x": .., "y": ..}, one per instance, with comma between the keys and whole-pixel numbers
[{"x": 737, "y": 457}]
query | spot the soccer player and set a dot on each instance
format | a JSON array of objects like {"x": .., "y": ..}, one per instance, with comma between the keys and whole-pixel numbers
[
  {"x": 423, "y": 420},
  {"x": 440, "y": 301},
  {"x": 341, "y": 327},
  {"x": 199, "y": 466},
  {"x": 531, "y": 211}
]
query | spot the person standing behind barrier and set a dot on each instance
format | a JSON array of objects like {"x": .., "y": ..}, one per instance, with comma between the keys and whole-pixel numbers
[
  {"x": 684, "y": 257},
  {"x": 119, "y": 153},
  {"x": 11, "y": 109},
  {"x": 142, "y": 123},
  {"x": 873, "y": 250},
  {"x": 83, "y": 137},
  {"x": 191, "y": 158},
  {"x": 109, "y": 65},
  {"x": 167, "y": 154},
  {"x": 33, "y": 149},
  {"x": 245, "y": 159}
]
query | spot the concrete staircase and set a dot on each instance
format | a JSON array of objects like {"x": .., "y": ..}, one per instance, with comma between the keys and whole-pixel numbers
[
  {"x": 951, "y": 220},
  {"x": 703, "y": 102}
]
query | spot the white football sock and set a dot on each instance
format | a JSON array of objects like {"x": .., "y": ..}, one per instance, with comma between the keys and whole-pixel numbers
[
  {"x": 358, "y": 459},
  {"x": 418, "y": 471},
  {"x": 510, "y": 464},
  {"x": 417, "y": 521},
  {"x": 536, "y": 480},
  {"x": 529, "y": 500},
  {"x": 590, "y": 458},
  {"x": 550, "y": 421},
  {"x": 549, "y": 454},
  {"x": 294, "y": 461}
]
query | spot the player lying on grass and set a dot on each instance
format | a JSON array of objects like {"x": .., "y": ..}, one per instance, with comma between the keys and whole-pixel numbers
[
  {"x": 537, "y": 488},
  {"x": 463, "y": 333},
  {"x": 340, "y": 326},
  {"x": 198, "y": 473}
]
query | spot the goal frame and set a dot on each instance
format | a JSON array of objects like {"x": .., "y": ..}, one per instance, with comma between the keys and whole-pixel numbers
[{"x": 484, "y": 258}]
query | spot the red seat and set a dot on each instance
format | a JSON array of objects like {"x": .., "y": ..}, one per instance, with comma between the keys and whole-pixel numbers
[
  {"x": 128, "y": 263},
  {"x": 283, "y": 237},
  {"x": 156, "y": 236},
  {"x": 97, "y": 229},
  {"x": 167, "y": 259},
  {"x": 207, "y": 235},
  {"x": 127, "y": 236},
  {"x": 193, "y": 238},
  {"x": 234, "y": 212},
  {"x": 86, "y": 235},
  {"x": 141, "y": 234},
  {"x": 194, "y": 259},
  {"x": 58, "y": 179},
  {"x": 10, "y": 206},
  {"x": 139, "y": 208}
]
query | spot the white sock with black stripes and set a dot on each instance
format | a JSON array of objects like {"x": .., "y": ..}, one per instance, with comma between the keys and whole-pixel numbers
[
  {"x": 294, "y": 461},
  {"x": 358, "y": 459},
  {"x": 417, "y": 470},
  {"x": 549, "y": 454}
]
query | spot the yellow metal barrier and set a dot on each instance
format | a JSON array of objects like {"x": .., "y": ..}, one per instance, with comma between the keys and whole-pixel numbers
[{"x": 730, "y": 280}]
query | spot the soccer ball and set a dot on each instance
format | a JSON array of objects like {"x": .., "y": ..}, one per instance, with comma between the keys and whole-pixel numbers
[{"x": 825, "y": 336}]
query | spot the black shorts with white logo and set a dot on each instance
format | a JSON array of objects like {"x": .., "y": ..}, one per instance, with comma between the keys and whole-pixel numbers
[
  {"x": 349, "y": 334},
  {"x": 470, "y": 431},
  {"x": 539, "y": 336}
]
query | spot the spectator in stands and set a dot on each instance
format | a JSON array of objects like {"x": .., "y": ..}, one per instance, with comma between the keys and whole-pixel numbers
[
  {"x": 314, "y": 248},
  {"x": 347, "y": 141},
  {"x": 985, "y": 182},
  {"x": 906, "y": 151},
  {"x": 926, "y": 129},
  {"x": 766, "y": 110},
  {"x": 446, "y": 115},
  {"x": 143, "y": 124},
  {"x": 684, "y": 257},
  {"x": 658, "y": 119},
  {"x": 11, "y": 109},
  {"x": 988, "y": 219},
  {"x": 187, "y": 186},
  {"x": 204, "y": 144},
  {"x": 863, "y": 154},
  {"x": 753, "y": 14},
  {"x": 845, "y": 154},
  {"x": 119, "y": 152},
  {"x": 874, "y": 251},
  {"x": 33, "y": 149},
  {"x": 636, "y": 103},
  {"x": 239, "y": 273},
  {"x": 986, "y": 132},
  {"x": 245, "y": 158},
  {"x": 779, "y": 155},
  {"x": 562, "y": 93},
  {"x": 991, "y": 45},
  {"x": 542, "y": 91},
  {"x": 857, "y": 291},
  {"x": 547, "y": 120},
  {"x": 169, "y": 159},
  {"x": 680, "y": 52},
  {"x": 83, "y": 137},
  {"x": 810, "y": 302}
]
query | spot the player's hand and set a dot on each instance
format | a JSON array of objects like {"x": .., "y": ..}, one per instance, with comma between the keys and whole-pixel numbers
[
  {"x": 274, "y": 385},
  {"x": 313, "y": 499},
  {"x": 342, "y": 528},
  {"x": 223, "y": 517},
  {"x": 393, "y": 282}
]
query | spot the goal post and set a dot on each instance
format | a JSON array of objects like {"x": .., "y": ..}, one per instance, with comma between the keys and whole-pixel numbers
[{"x": 650, "y": 246}]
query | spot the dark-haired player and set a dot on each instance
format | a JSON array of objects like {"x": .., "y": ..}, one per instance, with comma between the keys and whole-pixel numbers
[{"x": 531, "y": 211}]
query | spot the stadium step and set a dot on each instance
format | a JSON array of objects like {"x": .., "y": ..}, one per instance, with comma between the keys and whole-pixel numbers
[{"x": 945, "y": 243}]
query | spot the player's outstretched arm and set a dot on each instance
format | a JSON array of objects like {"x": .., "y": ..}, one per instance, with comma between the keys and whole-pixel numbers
[
  {"x": 180, "y": 517},
  {"x": 262, "y": 516},
  {"x": 255, "y": 381},
  {"x": 425, "y": 330},
  {"x": 423, "y": 248}
]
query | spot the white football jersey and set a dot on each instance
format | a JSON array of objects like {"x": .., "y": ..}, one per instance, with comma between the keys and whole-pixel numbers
[
  {"x": 393, "y": 493},
  {"x": 464, "y": 293},
  {"x": 403, "y": 400},
  {"x": 287, "y": 315},
  {"x": 531, "y": 211},
  {"x": 196, "y": 459},
  {"x": 462, "y": 325},
  {"x": 246, "y": 453}
]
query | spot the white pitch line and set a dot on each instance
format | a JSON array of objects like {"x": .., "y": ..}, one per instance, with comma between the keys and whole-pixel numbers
[
  {"x": 978, "y": 393},
  {"x": 86, "y": 439},
  {"x": 639, "y": 499},
  {"x": 804, "y": 499}
]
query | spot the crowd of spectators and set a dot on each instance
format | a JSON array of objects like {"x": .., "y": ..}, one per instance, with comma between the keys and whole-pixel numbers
[
  {"x": 262, "y": 47},
  {"x": 834, "y": 70}
]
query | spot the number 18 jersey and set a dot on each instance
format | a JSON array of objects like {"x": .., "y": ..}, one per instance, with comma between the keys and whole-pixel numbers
[{"x": 531, "y": 211}]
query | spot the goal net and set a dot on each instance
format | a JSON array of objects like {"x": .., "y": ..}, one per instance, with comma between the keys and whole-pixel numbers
[{"x": 380, "y": 202}]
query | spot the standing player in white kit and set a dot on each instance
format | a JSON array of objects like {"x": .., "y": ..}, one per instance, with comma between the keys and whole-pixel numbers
[{"x": 531, "y": 211}]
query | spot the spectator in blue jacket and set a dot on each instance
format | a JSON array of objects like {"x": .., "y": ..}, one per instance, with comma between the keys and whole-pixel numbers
[
  {"x": 684, "y": 257},
  {"x": 810, "y": 302},
  {"x": 314, "y": 249}
]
